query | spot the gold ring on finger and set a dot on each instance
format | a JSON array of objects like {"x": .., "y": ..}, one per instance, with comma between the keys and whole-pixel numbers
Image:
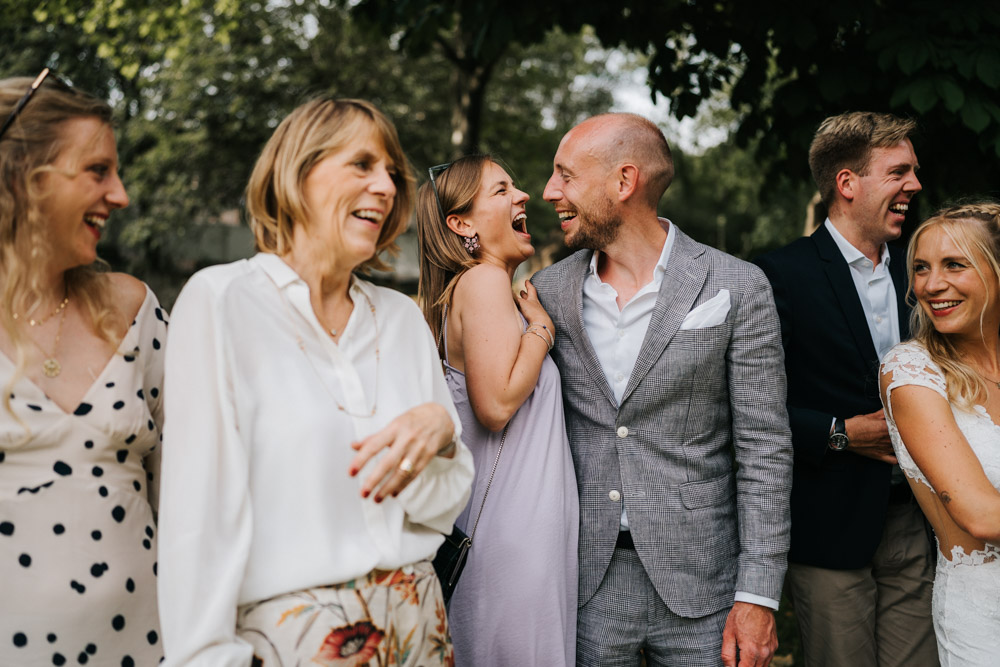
[{"x": 406, "y": 466}]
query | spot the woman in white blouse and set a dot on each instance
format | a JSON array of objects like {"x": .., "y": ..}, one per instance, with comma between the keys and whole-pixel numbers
[{"x": 315, "y": 459}]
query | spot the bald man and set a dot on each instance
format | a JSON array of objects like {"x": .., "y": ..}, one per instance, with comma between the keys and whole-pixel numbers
[{"x": 674, "y": 389}]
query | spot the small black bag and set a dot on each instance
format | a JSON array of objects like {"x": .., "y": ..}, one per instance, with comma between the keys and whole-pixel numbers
[
  {"x": 452, "y": 554},
  {"x": 450, "y": 560}
]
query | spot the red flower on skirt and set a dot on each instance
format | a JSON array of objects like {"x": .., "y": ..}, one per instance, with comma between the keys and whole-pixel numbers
[{"x": 349, "y": 646}]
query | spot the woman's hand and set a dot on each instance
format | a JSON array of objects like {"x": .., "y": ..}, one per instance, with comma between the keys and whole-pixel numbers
[
  {"x": 532, "y": 309},
  {"x": 413, "y": 439}
]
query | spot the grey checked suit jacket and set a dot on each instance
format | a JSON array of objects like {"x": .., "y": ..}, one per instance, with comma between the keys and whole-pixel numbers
[{"x": 699, "y": 449}]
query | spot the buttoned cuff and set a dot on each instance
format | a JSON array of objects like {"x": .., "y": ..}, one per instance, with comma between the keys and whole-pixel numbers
[{"x": 757, "y": 599}]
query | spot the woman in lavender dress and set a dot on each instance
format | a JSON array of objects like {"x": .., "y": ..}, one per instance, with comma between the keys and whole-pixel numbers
[{"x": 516, "y": 601}]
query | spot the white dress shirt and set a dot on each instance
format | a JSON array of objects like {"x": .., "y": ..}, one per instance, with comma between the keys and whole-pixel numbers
[
  {"x": 617, "y": 336},
  {"x": 875, "y": 289},
  {"x": 256, "y": 499}
]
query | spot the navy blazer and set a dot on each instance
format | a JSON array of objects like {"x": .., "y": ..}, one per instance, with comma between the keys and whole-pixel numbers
[{"x": 839, "y": 499}]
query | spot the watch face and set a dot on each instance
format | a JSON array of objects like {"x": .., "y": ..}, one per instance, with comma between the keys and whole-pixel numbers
[{"x": 838, "y": 442}]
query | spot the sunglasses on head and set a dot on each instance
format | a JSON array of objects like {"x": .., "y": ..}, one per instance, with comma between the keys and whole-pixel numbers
[
  {"x": 433, "y": 173},
  {"x": 24, "y": 100}
]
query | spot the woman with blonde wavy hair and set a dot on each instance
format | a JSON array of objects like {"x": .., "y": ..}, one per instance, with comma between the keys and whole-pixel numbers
[
  {"x": 515, "y": 603},
  {"x": 81, "y": 364},
  {"x": 312, "y": 459},
  {"x": 941, "y": 392}
]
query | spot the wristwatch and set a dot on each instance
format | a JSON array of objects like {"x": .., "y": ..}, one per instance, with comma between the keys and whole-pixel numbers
[{"x": 838, "y": 439}]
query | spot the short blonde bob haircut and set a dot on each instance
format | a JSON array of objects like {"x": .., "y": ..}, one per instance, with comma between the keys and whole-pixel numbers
[
  {"x": 974, "y": 227},
  {"x": 314, "y": 131}
]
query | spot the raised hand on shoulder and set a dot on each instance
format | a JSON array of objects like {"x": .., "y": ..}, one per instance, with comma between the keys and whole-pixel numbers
[{"x": 501, "y": 362}]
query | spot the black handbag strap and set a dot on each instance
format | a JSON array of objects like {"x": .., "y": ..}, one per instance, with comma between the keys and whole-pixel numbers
[{"x": 503, "y": 438}]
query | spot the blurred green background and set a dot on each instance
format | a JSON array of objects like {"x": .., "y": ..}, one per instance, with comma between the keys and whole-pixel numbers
[
  {"x": 738, "y": 87},
  {"x": 199, "y": 85}
]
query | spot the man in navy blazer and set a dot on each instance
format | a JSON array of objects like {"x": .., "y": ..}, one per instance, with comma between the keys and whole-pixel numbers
[
  {"x": 859, "y": 572},
  {"x": 671, "y": 364}
]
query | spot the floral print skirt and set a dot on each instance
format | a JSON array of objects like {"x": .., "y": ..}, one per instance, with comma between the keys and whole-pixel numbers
[{"x": 387, "y": 617}]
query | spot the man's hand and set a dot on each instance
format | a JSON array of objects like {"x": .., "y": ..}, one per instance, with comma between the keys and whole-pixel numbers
[
  {"x": 869, "y": 436},
  {"x": 751, "y": 633}
]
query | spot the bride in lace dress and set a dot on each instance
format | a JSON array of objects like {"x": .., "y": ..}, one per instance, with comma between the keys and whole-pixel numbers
[{"x": 941, "y": 392}]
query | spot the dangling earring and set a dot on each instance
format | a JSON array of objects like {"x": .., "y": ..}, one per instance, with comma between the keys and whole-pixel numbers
[{"x": 471, "y": 243}]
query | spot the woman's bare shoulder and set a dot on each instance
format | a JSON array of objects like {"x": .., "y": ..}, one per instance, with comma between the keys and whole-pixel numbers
[
  {"x": 129, "y": 293},
  {"x": 484, "y": 277}
]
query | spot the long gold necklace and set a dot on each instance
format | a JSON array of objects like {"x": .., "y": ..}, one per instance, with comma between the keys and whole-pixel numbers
[
  {"x": 50, "y": 365},
  {"x": 302, "y": 346}
]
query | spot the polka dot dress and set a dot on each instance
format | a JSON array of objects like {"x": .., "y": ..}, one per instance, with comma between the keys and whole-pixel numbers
[{"x": 77, "y": 532}]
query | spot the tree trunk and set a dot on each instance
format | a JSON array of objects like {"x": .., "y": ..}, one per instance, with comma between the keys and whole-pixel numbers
[
  {"x": 468, "y": 95},
  {"x": 469, "y": 80}
]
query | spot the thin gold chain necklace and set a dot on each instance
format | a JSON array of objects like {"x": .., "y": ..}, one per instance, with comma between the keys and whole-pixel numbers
[
  {"x": 989, "y": 379},
  {"x": 37, "y": 323},
  {"x": 302, "y": 346}
]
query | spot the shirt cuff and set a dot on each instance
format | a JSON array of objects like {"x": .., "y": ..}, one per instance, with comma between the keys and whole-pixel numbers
[{"x": 757, "y": 599}]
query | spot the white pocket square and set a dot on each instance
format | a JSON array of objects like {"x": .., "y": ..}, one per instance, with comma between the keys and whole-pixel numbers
[{"x": 708, "y": 314}]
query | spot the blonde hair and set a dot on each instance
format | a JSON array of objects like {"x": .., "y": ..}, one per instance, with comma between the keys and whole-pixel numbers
[
  {"x": 975, "y": 230},
  {"x": 846, "y": 142},
  {"x": 314, "y": 131},
  {"x": 443, "y": 258},
  {"x": 27, "y": 150}
]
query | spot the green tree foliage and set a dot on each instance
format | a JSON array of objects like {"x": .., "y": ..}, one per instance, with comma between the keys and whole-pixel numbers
[
  {"x": 198, "y": 90},
  {"x": 790, "y": 64},
  {"x": 472, "y": 36}
]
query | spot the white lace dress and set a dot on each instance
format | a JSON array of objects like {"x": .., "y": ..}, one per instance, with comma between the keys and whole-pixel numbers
[{"x": 966, "y": 604}]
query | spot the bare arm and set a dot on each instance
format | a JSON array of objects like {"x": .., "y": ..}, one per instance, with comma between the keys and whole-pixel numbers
[
  {"x": 938, "y": 447},
  {"x": 501, "y": 365}
]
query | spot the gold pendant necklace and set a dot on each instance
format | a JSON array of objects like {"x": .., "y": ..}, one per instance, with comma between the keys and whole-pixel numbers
[{"x": 50, "y": 365}]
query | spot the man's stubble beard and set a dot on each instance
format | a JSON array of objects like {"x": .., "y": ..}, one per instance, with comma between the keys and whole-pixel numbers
[{"x": 596, "y": 235}]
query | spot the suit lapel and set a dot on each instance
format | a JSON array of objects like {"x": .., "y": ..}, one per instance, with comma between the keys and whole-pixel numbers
[
  {"x": 844, "y": 291},
  {"x": 571, "y": 308},
  {"x": 682, "y": 283}
]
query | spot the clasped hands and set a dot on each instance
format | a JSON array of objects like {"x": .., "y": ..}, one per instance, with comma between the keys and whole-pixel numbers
[
  {"x": 869, "y": 436},
  {"x": 412, "y": 440}
]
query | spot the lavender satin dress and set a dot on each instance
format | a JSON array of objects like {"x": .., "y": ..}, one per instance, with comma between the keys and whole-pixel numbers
[{"x": 516, "y": 601}]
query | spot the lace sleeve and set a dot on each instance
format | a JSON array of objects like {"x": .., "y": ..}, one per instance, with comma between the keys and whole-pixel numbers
[{"x": 909, "y": 364}]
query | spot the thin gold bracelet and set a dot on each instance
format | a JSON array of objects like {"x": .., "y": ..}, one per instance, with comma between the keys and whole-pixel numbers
[
  {"x": 544, "y": 339},
  {"x": 548, "y": 334}
]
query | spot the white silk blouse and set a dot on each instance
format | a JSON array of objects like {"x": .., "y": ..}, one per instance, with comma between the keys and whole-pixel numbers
[{"x": 256, "y": 500}]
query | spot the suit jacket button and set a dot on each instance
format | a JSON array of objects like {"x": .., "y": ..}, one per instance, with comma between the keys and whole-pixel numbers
[
  {"x": 622, "y": 431},
  {"x": 615, "y": 496}
]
